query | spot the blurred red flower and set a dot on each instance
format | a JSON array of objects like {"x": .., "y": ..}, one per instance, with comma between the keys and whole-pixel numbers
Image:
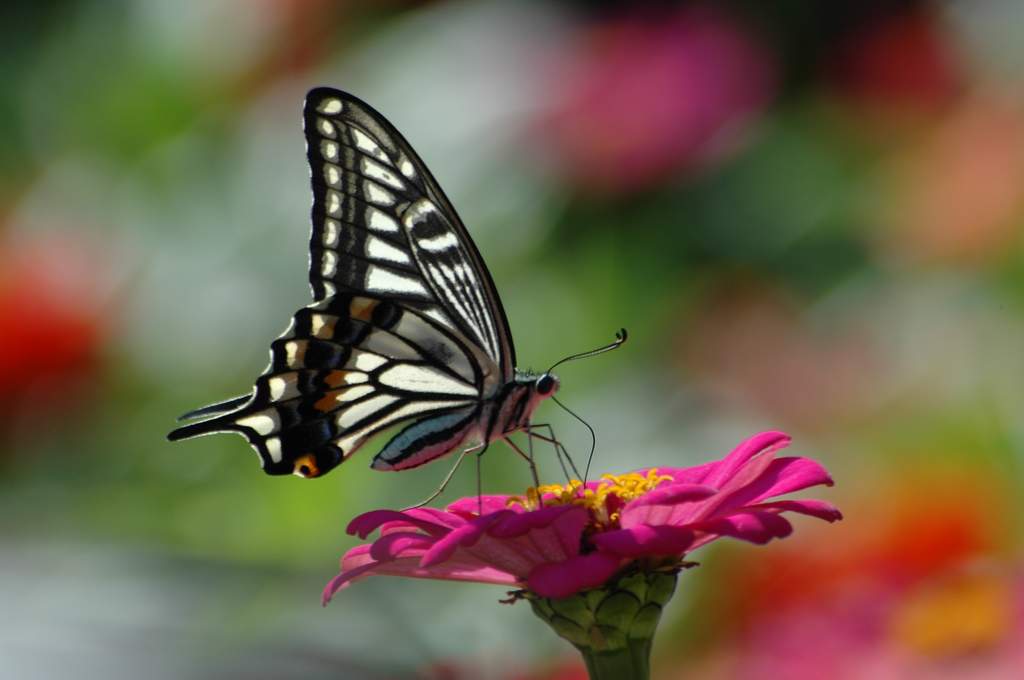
[
  {"x": 50, "y": 328},
  {"x": 639, "y": 97},
  {"x": 902, "y": 63}
]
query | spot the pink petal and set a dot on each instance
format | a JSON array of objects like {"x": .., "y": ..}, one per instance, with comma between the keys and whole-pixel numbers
[
  {"x": 687, "y": 475},
  {"x": 516, "y": 556},
  {"x": 464, "y": 536},
  {"x": 433, "y": 522},
  {"x": 356, "y": 557},
  {"x": 814, "y": 508},
  {"x": 645, "y": 540},
  {"x": 512, "y": 525},
  {"x": 568, "y": 529},
  {"x": 404, "y": 544},
  {"x": 562, "y": 579},
  {"x": 765, "y": 442},
  {"x": 794, "y": 474},
  {"x": 735, "y": 491},
  {"x": 672, "y": 494},
  {"x": 779, "y": 476},
  {"x": 668, "y": 504},
  {"x": 343, "y": 579},
  {"x": 560, "y": 540},
  {"x": 756, "y": 527},
  {"x": 471, "y": 506},
  {"x": 467, "y": 570}
]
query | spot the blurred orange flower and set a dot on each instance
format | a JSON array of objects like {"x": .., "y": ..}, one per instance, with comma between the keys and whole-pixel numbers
[{"x": 958, "y": 195}]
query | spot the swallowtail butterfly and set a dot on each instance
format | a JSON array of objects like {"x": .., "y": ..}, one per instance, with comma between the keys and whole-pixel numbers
[{"x": 405, "y": 328}]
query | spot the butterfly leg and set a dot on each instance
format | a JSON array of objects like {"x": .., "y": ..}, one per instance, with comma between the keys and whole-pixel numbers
[
  {"x": 478, "y": 449},
  {"x": 531, "y": 435},
  {"x": 479, "y": 481},
  {"x": 561, "y": 455},
  {"x": 560, "y": 449},
  {"x": 529, "y": 461}
]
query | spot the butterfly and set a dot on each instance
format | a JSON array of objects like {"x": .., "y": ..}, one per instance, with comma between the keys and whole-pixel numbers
[{"x": 405, "y": 328}]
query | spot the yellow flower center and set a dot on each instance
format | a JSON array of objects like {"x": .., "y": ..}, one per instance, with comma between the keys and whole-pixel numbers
[{"x": 624, "y": 488}]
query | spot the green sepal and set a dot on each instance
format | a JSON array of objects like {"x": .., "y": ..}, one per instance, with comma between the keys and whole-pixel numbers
[{"x": 613, "y": 626}]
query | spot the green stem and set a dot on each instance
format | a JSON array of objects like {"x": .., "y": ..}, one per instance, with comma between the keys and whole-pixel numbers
[{"x": 630, "y": 663}]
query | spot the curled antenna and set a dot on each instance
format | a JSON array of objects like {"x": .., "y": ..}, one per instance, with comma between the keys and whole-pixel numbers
[
  {"x": 620, "y": 337},
  {"x": 593, "y": 436}
]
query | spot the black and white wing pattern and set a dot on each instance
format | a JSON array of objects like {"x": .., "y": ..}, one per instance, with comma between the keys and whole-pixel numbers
[{"x": 406, "y": 324}]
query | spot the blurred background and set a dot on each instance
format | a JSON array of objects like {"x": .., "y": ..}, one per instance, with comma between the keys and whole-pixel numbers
[{"x": 808, "y": 215}]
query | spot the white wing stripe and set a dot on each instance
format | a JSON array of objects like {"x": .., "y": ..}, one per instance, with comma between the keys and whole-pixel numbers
[
  {"x": 354, "y": 438},
  {"x": 363, "y": 409},
  {"x": 382, "y": 250},
  {"x": 382, "y": 280},
  {"x": 415, "y": 378}
]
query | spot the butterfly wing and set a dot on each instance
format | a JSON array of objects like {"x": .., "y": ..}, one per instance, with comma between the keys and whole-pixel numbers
[
  {"x": 405, "y": 323},
  {"x": 377, "y": 206}
]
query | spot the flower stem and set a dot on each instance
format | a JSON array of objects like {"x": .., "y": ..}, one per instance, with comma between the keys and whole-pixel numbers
[
  {"x": 613, "y": 627},
  {"x": 631, "y": 663}
]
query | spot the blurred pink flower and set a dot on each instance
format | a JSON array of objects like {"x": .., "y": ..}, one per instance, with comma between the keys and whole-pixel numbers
[
  {"x": 642, "y": 96},
  {"x": 964, "y": 625},
  {"x": 582, "y": 536},
  {"x": 747, "y": 339}
]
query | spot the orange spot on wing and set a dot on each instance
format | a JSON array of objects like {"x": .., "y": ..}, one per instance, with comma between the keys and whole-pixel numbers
[
  {"x": 335, "y": 378},
  {"x": 328, "y": 402},
  {"x": 361, "y": 308},
  {"x": 305, "y": 466}
]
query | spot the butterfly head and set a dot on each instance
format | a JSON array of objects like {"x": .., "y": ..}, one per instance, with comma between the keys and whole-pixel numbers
[{"x": 546, "y": 385}]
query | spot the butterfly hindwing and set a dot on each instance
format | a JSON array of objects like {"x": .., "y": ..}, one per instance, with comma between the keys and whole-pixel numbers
[{"x": 347, "y": 367}]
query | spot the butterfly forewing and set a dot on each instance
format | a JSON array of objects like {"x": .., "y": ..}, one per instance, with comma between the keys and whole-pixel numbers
[
  {"x": 405, "y": 324},
  {"x": 382, "y": 226}
]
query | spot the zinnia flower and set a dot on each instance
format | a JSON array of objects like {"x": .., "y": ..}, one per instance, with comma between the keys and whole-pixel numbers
[
  {"x": 560, "y": 540},
  {"x": 597, "y": 561}
]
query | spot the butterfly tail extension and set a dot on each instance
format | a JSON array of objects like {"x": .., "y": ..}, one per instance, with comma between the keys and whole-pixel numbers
[
  {"x": 225, "y": 406},
  {"x": 223, "y": 422},
  {"x": 287, "y": 442}
]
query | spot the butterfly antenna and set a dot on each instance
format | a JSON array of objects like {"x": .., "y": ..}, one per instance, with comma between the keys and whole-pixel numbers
[
  {"x": 593, "y": 436},
  {"x": 620, "y": 337}
]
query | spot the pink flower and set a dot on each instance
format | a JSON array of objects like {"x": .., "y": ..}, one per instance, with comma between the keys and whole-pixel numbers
[
  {"x": 641, "y": 96},
  {"x": 581, "y": 536}
]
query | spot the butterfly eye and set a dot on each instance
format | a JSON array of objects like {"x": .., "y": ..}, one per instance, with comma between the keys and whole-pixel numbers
[{"x": 546, "y": 384}]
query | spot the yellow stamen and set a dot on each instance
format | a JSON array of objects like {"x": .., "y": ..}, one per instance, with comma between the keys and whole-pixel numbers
[{"x": 624, "y": 487}]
